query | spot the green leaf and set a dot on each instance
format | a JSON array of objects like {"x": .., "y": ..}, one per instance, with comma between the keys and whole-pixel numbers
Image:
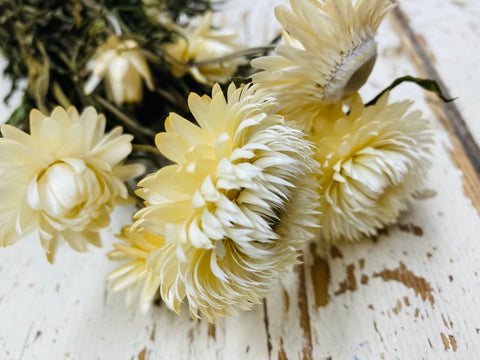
[{"x": 426, "y": 84}]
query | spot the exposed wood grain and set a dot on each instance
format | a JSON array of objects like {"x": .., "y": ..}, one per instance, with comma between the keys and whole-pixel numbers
[
  {"x": 320, "y": 275},
  {"x": 267, "y": 329},
  {"x": 410, "y": 280},
  {"x": 304, "y": 314},
  {"x": 451, "y": 30},
  {"x": 466, "y": 153}
]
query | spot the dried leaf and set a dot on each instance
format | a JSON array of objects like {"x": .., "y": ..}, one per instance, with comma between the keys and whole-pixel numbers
[{"x": 426, "y": 84}]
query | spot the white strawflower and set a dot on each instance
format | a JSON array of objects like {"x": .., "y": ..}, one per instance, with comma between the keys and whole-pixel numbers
[
  {"x": 234, "y": 209},
  {"x": 203, "y": 43},
  {"x": 327, "y": 53},
  {"x": 62, "y": 180},
  {"x": 371, "y": 159},
  {"x": 122, "y": 64},
  {"x": 136, "y": 275},
  {"x": 157, "y": 12}
]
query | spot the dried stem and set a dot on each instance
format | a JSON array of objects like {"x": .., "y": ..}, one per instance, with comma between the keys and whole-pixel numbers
[
  {"x": 242, "y": 53},
  {"x": 145, "y": 148},
  {"x": 142, "y": 133},
  {"x": 151, "y": 153},
  {"x": 60, "y": 96}
]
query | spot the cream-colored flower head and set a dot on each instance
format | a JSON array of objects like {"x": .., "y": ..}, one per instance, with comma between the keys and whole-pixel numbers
[
  {"x": 62, "y": 180},
  {"x": 235, "y": 207},
  {"x": 136, "y": 275},
  {"x": 202, "y": 43},
  {"x": 157, "y": 12},
  {"x": 372, "y": 160},
  {"x": 327, "y": 53},
  {"x": 123, "y": 66}
]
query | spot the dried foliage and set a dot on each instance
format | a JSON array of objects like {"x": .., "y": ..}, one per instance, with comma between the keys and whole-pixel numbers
[{"x": 49, "y": 42}]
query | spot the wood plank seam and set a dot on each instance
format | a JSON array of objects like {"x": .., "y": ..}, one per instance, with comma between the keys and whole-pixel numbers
[
  {"x": 267, "y": 329},
  {"x": 424, "y": 63},
  {"x": 307, "y": 351},
  {"x": 466, "y": 153}
]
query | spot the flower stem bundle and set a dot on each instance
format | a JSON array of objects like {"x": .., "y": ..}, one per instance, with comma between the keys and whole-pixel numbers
[{"x": 63, "y": 48}]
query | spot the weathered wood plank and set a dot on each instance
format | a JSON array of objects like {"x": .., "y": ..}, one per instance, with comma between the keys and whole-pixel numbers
[
  {"x": 465, "y": 153},
  {"x": 450, "y": 34}
]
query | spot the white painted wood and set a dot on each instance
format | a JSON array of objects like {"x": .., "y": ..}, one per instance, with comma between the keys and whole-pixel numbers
[
  {"x": 451, "y": 30},
  {"x": 424, "y": 306}
]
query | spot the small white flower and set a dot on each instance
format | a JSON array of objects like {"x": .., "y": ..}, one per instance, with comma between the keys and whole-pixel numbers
[
  {"x": 123, "y": 66},
  {"x": 62, "y": 180},
  {"x": 140, "y": 280},
  {"x": 202, "y": 43}
]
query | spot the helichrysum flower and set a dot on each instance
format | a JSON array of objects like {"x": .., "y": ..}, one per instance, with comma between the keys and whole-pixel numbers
[
  {"x": 62, "y": 180},
  {"x": 157, "y": 12},
  {"x": 140, "y": 280},
  {"x": 372, "y": 159},
  {"x": 327, "y": 53},
  {"x": 233, "y": 210},
  {"x": 202, "y": 43},
  {"x": 122, "y": 65}
]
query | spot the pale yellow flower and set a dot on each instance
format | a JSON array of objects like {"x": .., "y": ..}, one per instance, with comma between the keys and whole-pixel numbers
[
  {"x": 372, "y": 160},
  {"x": 157, "y": 12},
  {"x": 136, "y": 275},
  {"x": 234, "y": 209},
  {"x": 62, "y": 180},
  {"x": 202, "y": 43},
  {"x": 123, "y": 66},
  {"x": 327, "y": 53}
]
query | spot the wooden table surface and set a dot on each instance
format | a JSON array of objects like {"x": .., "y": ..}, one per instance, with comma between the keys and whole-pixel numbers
[{"x": 410, "y": 293}]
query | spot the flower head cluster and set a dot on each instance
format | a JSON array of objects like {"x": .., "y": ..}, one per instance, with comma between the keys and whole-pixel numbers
[
  {"x": 62, "y": 180},
  {"x": 201, "y": 44},
  {"x": 233, "y": 209},
  {"x": 372, "y": 159},
  {"x": 123, "y": 66},
  {"x": 327, "y": 53}
]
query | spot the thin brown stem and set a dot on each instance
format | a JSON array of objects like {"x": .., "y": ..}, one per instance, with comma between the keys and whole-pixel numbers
[
  {"x": 242, "y": 53},
  {"x": 60, "y": 96},
  {"x": 144, "y": 134},
  {"x": 145, "y": 148}
]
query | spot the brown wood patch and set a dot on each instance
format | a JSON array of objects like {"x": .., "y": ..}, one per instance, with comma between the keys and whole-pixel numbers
[
  {"x": 410, "y": 280},
  {"x": 320, "y": 273}
]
